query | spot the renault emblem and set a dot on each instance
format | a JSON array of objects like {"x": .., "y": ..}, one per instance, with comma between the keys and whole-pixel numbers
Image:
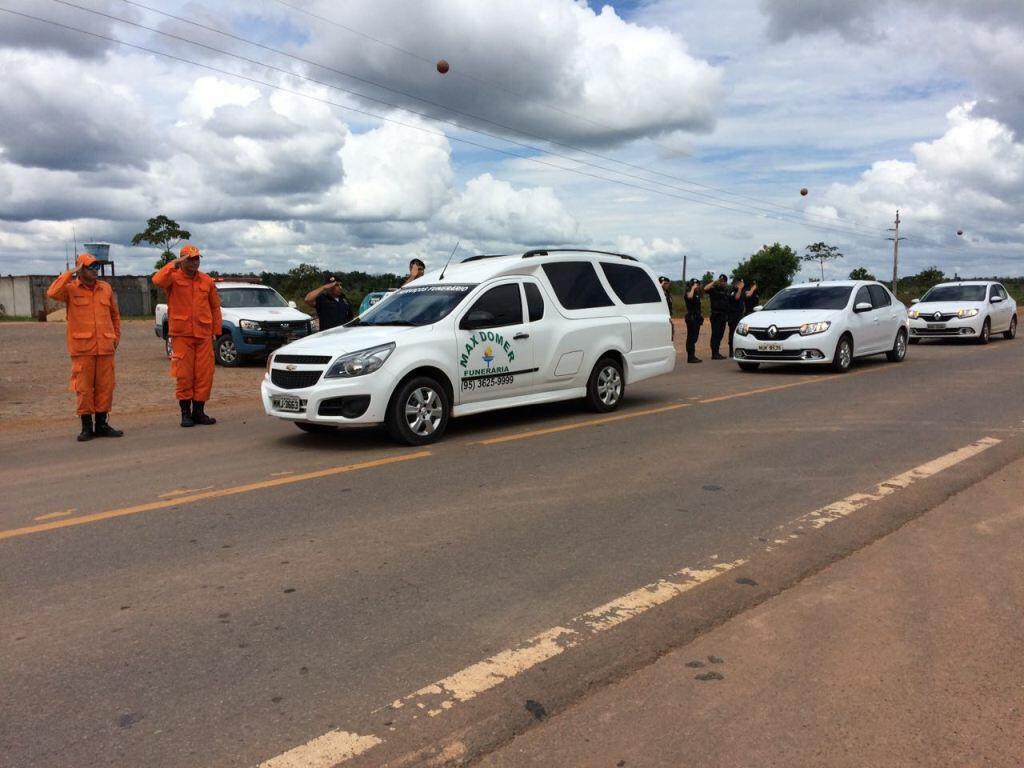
[
  {"x": 937, "y": 316},
  {"x": 772, "y": 331}
]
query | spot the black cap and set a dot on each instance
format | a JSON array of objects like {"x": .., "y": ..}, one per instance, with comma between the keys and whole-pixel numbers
[{"x": 723, "y": 277}]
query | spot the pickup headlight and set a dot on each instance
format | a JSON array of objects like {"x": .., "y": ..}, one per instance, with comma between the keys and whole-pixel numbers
[
  {"x": 914, "y": 314},
  {"x": 810, "y": 328},
  {"x": 743, "y": 329},
  {"x": 249, "y": 325},
  {"x": 967, "y": 313},
  {"x": 360, "y": 363}
]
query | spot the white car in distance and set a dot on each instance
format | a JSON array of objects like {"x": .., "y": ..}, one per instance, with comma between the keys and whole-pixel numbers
[
  {"x": 491, "y": 332},
  {"x": 826, "y": 323},
  {"x": 973, "y": 309}
]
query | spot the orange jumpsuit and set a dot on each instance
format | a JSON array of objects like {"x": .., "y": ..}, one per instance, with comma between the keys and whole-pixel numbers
[
  {"x": 94, "y": 330},
  {"x": 193, "y": 320}
]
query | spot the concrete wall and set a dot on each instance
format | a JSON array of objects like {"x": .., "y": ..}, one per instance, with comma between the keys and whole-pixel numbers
[{"x": 25, "y": 295}]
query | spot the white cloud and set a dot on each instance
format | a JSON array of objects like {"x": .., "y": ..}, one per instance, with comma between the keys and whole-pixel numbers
[{"x": 493, "y": 210}]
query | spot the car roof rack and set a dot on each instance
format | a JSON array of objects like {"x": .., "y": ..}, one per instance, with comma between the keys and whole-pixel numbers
[
  {"x": 547, "y": 251},
  {"x": 483, "y": 256}
]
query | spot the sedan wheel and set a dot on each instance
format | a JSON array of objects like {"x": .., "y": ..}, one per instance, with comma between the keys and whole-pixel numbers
[
  {"x": 844, "y": 355},
  {"x": 899, "y": 348},
  {"x": 1012, "y": 331},
  {"x": 986, "y": 332}
]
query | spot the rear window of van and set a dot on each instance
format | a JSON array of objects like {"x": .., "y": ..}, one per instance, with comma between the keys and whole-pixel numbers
[
  {"x": 576, "y": 285},
  {"x": 631, "y": 284}
]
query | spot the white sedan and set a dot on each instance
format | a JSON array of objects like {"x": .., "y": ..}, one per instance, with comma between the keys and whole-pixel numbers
[
  {"x": 974, "y": 310},
  {"x": 827, "y": 323}
]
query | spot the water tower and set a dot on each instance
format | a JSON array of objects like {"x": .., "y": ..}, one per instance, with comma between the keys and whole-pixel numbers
[{"x": 101, "y": 251}]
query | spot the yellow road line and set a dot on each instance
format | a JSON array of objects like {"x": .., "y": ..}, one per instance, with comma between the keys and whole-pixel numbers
[
  {"x": 182, "y": 492},
  {"x": 233, "y": 491},
  {"x": 581, "y": 424},
  {"x": 55, "y": 514},
  {"x": 330, "y": 749}
]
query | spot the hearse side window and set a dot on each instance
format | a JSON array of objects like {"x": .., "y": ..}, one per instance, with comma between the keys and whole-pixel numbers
[
  {"x": 631, "y": 284},
  {"x": 503, "y": 303},
  {"x": 879, "y": 296},
  {"x": 576, "y": 285},
  {"x": 534, "y": 302}
]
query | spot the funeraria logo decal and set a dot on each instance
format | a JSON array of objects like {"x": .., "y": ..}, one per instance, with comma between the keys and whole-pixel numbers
[{"x": 479, "y": 356}]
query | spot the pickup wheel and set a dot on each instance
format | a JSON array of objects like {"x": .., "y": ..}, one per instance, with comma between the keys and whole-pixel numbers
[
  {"x": 418, "y": 412},
  {"x": 167, "y": 345},
  {"x": 225, "y": 352}
]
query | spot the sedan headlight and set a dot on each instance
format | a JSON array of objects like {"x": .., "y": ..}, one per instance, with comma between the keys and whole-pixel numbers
[
  {"x": 743, "y": 329},
  {"x": 967, "y": 313},
  {"x": 249, "y": 325},
  {"x": 360, "y": 363},
  {"x": 914, "y": 314},
  {"x": 810, "y": 328}
]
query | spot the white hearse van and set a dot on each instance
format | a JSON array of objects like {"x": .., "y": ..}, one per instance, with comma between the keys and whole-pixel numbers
[{"x": 489, "y": 332}]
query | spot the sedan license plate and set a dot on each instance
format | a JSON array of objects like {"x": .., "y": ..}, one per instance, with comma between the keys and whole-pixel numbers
[
  {"x": 286, "y": 403},
  {"x": 769, "y": 347},
  {"x": 936, "y": 326}
]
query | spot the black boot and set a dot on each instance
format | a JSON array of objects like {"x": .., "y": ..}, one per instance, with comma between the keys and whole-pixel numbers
[
  {"x": 717, "y": 356},
  {"x": 105, "y": 430},
  {"x": 693, "y": 359},
  {"x": 199, "y": 415},
  {"x": 86, "y": 433},
  {"x": 186, "y": 413}
]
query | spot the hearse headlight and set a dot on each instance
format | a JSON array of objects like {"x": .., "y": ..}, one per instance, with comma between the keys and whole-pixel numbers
[
  {"x": 743, "y": 329},
  {"x": 967, "y": 313},
  {"x": 360, "y": 363},
  {"x": 808, "y": 329},
  {"x": 249, "y": 325}
]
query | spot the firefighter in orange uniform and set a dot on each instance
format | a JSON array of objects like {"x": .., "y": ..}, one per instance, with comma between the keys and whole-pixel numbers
[
  {"x": 193, "y": 322},
  {"x": 94, "y": 330}
]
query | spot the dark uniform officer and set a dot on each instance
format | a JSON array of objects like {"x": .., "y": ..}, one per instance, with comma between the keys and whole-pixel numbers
[
  {"x": 694, "y": 320},
  {"x": 719, "y": 293},
  {"x": 753, "y": 298},
  {"x": 737, "y": 307},
  {"x": 332, "y": 308},
  {"x": 666, "y": 286}
]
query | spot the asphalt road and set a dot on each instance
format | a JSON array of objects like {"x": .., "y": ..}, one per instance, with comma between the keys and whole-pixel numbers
[{"x": 219, "y": 596}]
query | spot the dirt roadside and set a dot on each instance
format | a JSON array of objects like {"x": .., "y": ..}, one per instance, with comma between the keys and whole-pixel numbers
[{"x": 35, "y": 372}]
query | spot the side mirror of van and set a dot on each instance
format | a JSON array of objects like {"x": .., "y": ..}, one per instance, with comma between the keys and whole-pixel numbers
[
  {"x": 293, "y": 305},
  {"x": 758, "y": 308},
  {"x": 477, "y": 319},
  {"x": 915, "y": 301}
]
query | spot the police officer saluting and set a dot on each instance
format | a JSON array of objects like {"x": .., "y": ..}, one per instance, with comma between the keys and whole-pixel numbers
[
  {"x": 737, "y": 307},
  {"x": 719, "y": 294},
  {"x": 332, "y": 308},
  {"x": 94, "y": 330},
  {"x": 694, "y": 319}
]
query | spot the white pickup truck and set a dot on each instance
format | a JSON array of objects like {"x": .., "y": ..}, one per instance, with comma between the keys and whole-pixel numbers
[{"x": 256, "y": 320}]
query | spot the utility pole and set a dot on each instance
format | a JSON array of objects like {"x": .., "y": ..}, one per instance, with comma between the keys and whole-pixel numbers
[
  {"x": 684, "y": 269},
  {"x": 895, "y": 251}
]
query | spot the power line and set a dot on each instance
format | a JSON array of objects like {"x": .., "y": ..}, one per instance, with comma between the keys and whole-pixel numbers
[{"x": 687, "y": 194}]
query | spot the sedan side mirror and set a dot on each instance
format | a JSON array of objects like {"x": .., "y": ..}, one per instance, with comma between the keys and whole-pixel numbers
[
  {"x": 996, "y": 299},
  {"x": 915, "y": 301},
  {"x": 477, "y": 319},
  {"x": 293, "y": 305},
  {"x": 862, "y": 306},
  {"x": 758, "y": 308}
]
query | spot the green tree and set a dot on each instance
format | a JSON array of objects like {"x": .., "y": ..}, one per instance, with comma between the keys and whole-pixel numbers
[
  {"x": 861, "y": 274},
  {"x": 165, "y": 234},
  {"x": 772, "y": 268},
  {"x": 709, "y": 277},
  {"x": 822, "y": 252},
  {"x": 928, "y": 276}
]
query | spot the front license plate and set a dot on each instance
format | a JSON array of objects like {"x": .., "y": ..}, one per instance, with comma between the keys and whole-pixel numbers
[
  {"x": 936, "y": 326},
  {"x": 286, "y": 403},
  {"x": 769, "y": 347}
]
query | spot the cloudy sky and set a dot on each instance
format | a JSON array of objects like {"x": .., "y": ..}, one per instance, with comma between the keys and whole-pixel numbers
[{"x": 289, "y": 131}]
